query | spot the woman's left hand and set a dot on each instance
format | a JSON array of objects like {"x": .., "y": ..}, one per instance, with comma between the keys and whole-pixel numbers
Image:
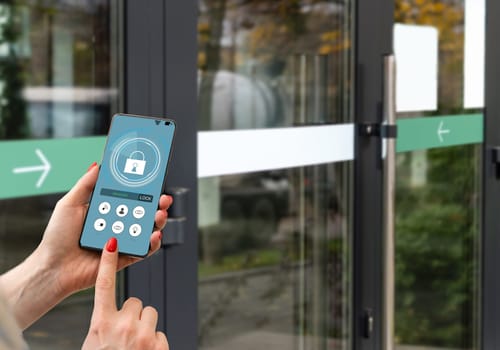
[
  {"x": 76, "y": 268},
  {"x": 59, "y": 267}
]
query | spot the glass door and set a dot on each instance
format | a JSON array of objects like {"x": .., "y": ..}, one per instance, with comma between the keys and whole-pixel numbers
[
  {"x": 288, "y": 243},
  {"x": 275, "y": 174},
  {"x": 57, "y": 90},
  {"x": 439, "y": 48}
]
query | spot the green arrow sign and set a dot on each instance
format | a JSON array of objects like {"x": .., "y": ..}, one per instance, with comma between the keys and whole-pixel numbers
[
  {"x": 38, "y": 167},
  {"x": 444, "y": 131}
]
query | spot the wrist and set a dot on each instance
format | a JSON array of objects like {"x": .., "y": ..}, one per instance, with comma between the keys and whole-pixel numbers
[
  {"x": 52, "y": 265},
  {"x": 31, "y": 289}
]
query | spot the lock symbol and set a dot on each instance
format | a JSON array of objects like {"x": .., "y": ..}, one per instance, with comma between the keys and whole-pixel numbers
[{"x": 134, "y": 165}]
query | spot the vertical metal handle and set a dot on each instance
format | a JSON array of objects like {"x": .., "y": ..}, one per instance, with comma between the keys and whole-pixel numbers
[{"x": 389, "y": 207}]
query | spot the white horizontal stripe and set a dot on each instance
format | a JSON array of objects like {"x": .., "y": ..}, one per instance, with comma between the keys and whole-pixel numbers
[
  {"x": 68, "y": 94},
  {"x": 242, "y": 151}
]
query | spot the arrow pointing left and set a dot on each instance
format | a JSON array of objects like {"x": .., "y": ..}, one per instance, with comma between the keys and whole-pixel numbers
[
  {"x": 44, "y": 168},
  {"x": 442, "y": 131}
]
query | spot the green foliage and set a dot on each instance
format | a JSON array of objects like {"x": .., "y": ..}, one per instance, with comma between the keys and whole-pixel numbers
[
  {"x": 242, "y": 260},
  {"x": 436, "y": 244},
  {"x": 13, "y": 119}
]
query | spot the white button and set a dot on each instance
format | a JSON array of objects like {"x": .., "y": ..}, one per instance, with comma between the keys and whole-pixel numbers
[
  {"x": 138, "y": 212},
  {"x": 117, "y": 227},
  {"x": 135, "y": 230},
  {"x": 122, "y": 210},
  {"x": 100, "y": 224},
  {"x": 104, "y": 208}
]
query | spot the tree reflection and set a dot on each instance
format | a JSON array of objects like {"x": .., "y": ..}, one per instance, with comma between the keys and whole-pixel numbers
[
  {"x": 13, "y": 118},
  {"x": 437, "y": 207}
]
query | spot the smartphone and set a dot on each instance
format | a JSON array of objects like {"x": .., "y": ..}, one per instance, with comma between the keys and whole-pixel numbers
[{"x": 131, "y": 179}]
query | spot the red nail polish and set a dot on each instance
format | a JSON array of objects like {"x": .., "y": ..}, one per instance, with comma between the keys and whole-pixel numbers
[
  {"x": 91, "y": 166},
  {"x": 111, "y": 245}
]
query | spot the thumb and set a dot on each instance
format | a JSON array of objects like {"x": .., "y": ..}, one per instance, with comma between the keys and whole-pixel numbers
[
  {"x": 81, "y": 191},
  {"x": 105, "y": 300}
]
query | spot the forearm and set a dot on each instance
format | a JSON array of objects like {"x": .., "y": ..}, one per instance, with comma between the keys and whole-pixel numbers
[{"x": 31, "y": 289}]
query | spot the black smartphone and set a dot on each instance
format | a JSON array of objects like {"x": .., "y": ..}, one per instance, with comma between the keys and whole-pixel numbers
[{"x": 131, "y": 179}]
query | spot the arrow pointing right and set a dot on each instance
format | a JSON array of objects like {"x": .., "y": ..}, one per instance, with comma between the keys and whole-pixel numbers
[{"x": 44, "y": 168}]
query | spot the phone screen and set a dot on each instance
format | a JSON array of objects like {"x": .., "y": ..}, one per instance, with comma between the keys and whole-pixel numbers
[{"x": 130, "y": 182}]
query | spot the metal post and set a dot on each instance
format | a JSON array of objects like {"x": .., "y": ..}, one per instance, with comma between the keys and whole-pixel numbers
[{"x": 389, "y": 207}]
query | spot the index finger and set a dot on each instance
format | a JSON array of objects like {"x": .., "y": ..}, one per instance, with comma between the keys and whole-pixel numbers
[{"x": 105, "y": 300}]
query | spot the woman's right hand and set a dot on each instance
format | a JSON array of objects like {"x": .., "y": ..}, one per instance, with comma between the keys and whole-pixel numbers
[{"x": 132, "y": 327}]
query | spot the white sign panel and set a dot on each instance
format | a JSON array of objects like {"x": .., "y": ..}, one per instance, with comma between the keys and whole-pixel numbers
[
  {"x": 416, "y": 51},
  {"x": 241, "y": 151},
  {"x": 474, "y": 54}
]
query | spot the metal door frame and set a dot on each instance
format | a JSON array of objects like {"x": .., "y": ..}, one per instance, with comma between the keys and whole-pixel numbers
[
  {"x": 160, "y": 80},
  {"x": 374, "y": 23},
  {"x": 490, "y": 286}
]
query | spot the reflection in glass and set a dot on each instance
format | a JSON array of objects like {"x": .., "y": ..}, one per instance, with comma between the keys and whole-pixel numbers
[
  {"x": 437, "y": 207},
  {"x": 55, "y": 69},
  {"x": 274, "y": 259},
  {"x": 437, "y": 247},
  {"x": 269, "y": 64},
  {"x": 275, "y": 246},
  {"x": 55, "y": 62}
]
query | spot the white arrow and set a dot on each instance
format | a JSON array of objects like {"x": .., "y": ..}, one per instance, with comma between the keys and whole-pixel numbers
[
  {"x": 44, "y": 168},
  {"x": 442, "y": 131}
]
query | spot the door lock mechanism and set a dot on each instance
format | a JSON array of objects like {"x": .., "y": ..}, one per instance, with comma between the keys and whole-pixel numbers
[{"x": 174, "y": 230}]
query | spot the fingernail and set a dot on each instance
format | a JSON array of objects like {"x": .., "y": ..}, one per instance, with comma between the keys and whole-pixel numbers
[
  {"x": 91, "y": 166},
  {"x": 160, "y": 235},
  {"x": 111, "y": 245}
]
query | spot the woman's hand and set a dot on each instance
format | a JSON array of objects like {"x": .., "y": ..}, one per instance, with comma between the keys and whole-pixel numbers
[
  {"x": 132, "y": 327},
  {"x": 77, "y": 268},
  {"x": 59, "y": 267}
]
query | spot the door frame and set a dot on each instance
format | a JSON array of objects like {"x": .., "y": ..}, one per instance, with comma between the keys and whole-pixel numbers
[
  {"x": 160, "y": 80},
  {"x": 373, "y": 23},
  {"x": 490, "y": 286}
]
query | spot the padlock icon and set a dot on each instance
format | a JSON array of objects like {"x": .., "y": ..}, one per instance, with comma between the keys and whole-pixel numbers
[{"x": 134, "y": 165}]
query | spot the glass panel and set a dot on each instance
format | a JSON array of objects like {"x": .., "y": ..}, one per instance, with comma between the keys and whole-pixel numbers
[
  {"x": 55, "y": 81},
  {"x": 437, "y": 242},
  {"x": 438, "y": 203},
  {"x": 275, "y": 259},
  {"x": 275, "y": 246},
  {"x": 269, "y": 64}
]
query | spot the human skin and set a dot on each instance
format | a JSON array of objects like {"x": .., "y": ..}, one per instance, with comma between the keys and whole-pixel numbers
[
  {"x": 132, "y": 327},
  {"x": 58, "y": 267}
]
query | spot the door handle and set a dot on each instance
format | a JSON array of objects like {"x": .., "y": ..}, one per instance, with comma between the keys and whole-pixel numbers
[
  {"x": 174, "y": 230},
  {"x": 389, "y": 205}
]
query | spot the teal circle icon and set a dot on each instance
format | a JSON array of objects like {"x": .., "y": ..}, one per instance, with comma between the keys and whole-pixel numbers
[{"x": 135, "y": 162}]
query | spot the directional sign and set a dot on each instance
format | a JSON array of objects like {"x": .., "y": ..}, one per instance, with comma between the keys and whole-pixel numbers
[
  {"x": 443, "y": 131},
  {"x": 36, "y": 167},
  {"x": 44, "y": 168}
]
